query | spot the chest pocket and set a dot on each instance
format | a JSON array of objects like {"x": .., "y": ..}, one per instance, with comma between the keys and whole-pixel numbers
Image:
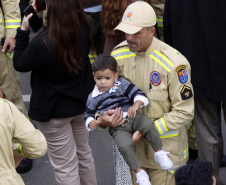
[{"x": 159, "y": 103}]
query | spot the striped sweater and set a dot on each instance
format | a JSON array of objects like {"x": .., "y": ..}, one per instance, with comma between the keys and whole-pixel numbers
[{"x": 123, "y": 95}]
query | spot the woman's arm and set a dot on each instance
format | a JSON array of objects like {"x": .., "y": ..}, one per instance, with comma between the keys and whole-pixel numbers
[{"x": 30, "y": 56}]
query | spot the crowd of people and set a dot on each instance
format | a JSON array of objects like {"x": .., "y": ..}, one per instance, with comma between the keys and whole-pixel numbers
[{"x": 158, "y": 68}]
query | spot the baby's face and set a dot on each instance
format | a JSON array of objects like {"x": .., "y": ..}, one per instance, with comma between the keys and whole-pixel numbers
[{"x": 105, "y": 79}]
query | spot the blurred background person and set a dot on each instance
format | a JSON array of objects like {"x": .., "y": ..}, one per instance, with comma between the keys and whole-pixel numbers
[
  {"x": 10, "y": 20},
  {"x": 61, "y": 79},
  {"x": 93, "y": 9},
  {"x": 113, "y": 11},
  {"x": 197, "y": 29}
]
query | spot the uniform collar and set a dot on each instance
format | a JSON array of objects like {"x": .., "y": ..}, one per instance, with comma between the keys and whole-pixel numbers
[{"x": 151, "y": 48}]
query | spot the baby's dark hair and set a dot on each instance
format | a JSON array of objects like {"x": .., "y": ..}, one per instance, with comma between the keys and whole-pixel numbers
[
  {"x": 198, "y": 173},
  {"x": 105, "y": 62}
]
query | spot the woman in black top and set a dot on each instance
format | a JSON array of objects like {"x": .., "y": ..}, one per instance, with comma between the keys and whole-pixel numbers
[{"x": 61, "y": 79}]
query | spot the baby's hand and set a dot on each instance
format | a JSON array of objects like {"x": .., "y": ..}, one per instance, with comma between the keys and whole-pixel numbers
[
  {"x": 132, "y": 111},
  {"x": 93, "y": 124}
]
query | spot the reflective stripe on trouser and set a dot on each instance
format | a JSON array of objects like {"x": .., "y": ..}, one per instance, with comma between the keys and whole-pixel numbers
[
  {"x": 10, "y": 55},
  {"x": 10, "y": 83},
  {"x": 69, "y": 151}
]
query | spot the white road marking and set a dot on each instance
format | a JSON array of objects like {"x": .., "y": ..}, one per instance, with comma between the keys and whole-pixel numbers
[{"x": 26, "y": 98}]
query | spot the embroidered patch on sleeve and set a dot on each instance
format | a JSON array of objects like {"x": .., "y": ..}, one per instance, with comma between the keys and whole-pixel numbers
[
  {"x": 186, "y": 93},
  {"x": 182, "y": 73}
]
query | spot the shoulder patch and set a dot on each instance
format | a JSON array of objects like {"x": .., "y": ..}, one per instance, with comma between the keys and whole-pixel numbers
[
  {"x": 182, "y": 73},
  {"x": 186, "y": 93}
]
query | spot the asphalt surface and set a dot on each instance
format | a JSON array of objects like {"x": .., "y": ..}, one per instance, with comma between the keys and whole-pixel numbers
[{"x": 42, "y": 172}]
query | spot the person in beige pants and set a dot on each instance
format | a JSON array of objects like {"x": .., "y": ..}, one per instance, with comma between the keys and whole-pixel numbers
[{"x": 14, "y": 126}]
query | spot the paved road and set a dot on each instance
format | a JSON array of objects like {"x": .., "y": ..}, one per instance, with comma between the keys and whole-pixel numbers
[{"x": 100, "y": 142}]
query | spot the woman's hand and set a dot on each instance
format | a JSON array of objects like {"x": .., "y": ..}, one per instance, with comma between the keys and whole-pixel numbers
[
  {"x": 25, "y": 24},
  {"x": 112, "y": 118}
]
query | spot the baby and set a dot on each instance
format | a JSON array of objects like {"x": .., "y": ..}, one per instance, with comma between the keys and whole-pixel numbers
[{"x": 111, "y": 92}]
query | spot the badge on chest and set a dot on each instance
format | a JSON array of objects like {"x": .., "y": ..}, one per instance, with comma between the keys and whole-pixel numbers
[{"x": 155, "y": 78}]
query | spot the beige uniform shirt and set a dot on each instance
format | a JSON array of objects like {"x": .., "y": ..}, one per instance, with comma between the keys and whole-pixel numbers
[
  {"x": 9, "y": 78},
  {"x": 14, "y": 126},
  {"x": 163, "y": 74}
]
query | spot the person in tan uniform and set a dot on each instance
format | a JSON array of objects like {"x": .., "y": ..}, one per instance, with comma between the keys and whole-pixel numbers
[
  {"x": 9, "y": 78},
  {"x": 163, "y": 74},
  {"x": 158, "y": 6},
  {"x": 31, "y": 142}
]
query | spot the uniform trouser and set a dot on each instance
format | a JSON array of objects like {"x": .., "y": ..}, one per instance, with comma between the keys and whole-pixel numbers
[
  {"x": 123, "y": 137},
  {"x": 69, "y": 151},
  {"x": 10, "y": 82},
  {"x": 157, "y": 177},
  {"x": 192, "y": 142},
  {"x": 208, "y": 130}
]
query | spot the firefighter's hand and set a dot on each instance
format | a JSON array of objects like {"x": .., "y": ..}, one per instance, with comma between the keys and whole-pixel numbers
[
  {"x": 17, "y": 160},
  {"x": 25, "y": 24},
  {"x": 112, "y": 118},
  {"x": 11, "y": 42}
]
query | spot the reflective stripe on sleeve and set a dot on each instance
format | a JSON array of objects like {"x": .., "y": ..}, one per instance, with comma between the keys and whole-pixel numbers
[
  {"x": 173, "y": 170},
  {"x": 92, "y": 57},
  {"x": 14, "y": 23},
  {"x": 19, "y": 148},
  {"x": 162, "y": 60},
  {"x": 191, "y": 127},
  {"x": 161, "y": 125},
  {"x": 185, "y": 152},
  {"x": 170, "y": 134},
  {"x": 123, "y": 53},
  {"x": 160, "y": 23},
  {"x": 0, "y": 17}
]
